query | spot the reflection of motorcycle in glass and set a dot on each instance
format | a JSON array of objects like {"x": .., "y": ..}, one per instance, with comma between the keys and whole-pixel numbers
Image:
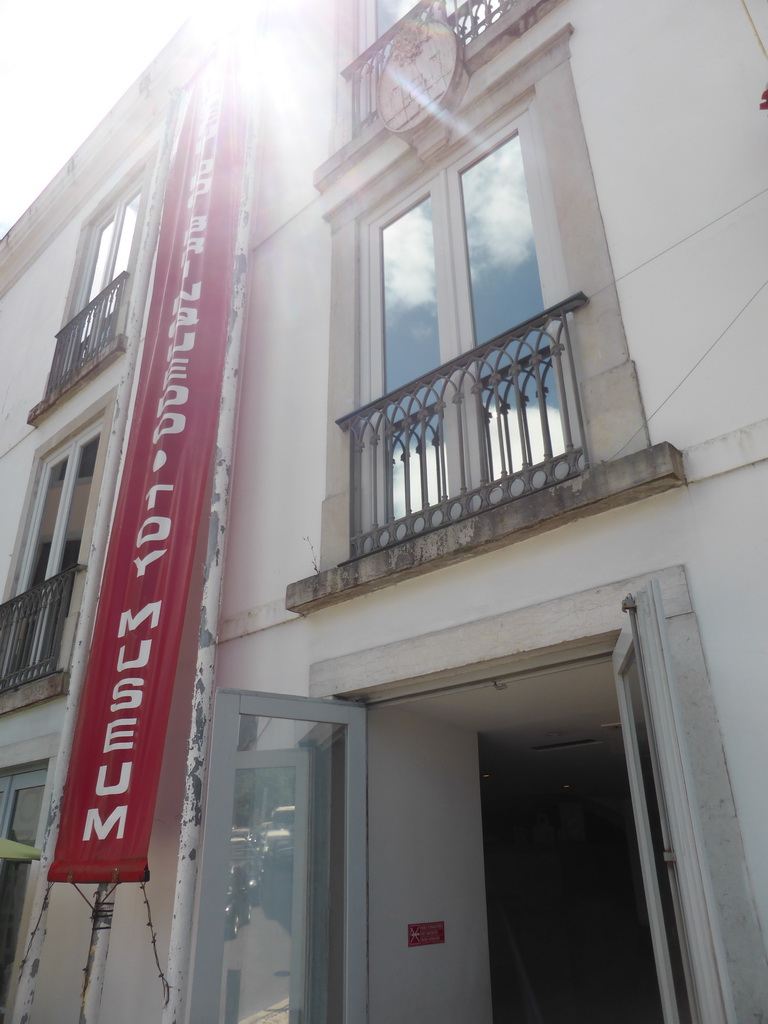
[
  {"x": 238, "y": 908},
  {"x": 242, "y": 887}
]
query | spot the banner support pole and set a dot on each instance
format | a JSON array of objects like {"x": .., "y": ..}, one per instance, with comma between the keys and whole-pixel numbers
[
  {"x": 95, "y": 969},
  {"x": 180, "y": 944}
]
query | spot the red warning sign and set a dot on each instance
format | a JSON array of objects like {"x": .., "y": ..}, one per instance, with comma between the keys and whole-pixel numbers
[{"x": 426, "y": 934}]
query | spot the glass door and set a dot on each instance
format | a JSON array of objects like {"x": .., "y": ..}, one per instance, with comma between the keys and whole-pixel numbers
[
  {"x": 281, "y": 927},
  {"x": 654, "y": 847}
]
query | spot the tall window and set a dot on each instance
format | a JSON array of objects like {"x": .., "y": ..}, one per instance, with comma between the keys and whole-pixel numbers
[
  {"x": 21, "y": 801},
  {"x": 468, "y": 397},
  {"x": 503, "y": 269},
  {"x": 390, "y": 11},
  {"x": 61, "y": 510},
  {"x": 113, "y": 244},
  {"x": 457, "y": 268},
  {"x": 411, "y": 333}
]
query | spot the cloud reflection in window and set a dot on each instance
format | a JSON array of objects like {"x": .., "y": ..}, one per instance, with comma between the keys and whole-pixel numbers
[
  {"x": 504, "y": 272},
  {"x": 410, "y": 301},
  {"x": 390, "y": 11}
]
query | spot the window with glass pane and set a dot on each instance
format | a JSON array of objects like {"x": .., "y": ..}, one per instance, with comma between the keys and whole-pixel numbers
[
  {"x": 503, "y": 270},
  {"x": 459, "y": 268},
  {"x": 468, "y": 396},
  {"x": 411, "y": 340},
  {"x": 113, "y": 246},
  {"x": 283, "y": 916},
  {"x": 50, "y": 514},
  {"x": 281, "y": 922},
  {"x": 21, "y": 800},
  {"x": 390, "y": 11},
  {"x": 63, "y": 511}
]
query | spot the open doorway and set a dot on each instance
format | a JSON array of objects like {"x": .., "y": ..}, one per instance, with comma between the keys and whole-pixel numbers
[
  {"x": 569, "y": 939},
  {"x": 554, "y": 859}
]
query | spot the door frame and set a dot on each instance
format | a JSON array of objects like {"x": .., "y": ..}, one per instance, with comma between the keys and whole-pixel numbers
[
  {"x": 646, "y": 642},
  {"x": 524, "y": 637}
]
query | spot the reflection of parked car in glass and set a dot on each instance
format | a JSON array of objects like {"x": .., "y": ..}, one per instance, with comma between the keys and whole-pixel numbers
[
  {"x": 275, "y": 843},
  {"x": 276, "y": 836},
  {"x": 241, "y": 842}
]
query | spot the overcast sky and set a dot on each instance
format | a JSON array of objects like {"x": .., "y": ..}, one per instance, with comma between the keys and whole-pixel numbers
[{"x": 63, "y": 65}]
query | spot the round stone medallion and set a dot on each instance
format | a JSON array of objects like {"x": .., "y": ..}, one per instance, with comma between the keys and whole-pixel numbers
[{"x": 419, "y": 72}]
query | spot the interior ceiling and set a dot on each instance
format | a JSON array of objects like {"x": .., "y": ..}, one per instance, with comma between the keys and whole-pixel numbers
[{"x": 555, "y": 710}]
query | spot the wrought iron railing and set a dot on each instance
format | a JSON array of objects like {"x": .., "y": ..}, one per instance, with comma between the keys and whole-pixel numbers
[
  {"x": 500, "y": 422},
  {"x": 86, "y": 335},
  {"x": 30, "y": 630},
  {"x": 468, "y": 20},
  {"x": 474, "y": 17}
]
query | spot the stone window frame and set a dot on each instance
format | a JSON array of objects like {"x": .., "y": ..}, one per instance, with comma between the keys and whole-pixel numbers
[
  {"x": 364, "y": 177},
  {"x": 133, "y": 185},
  {"x": 96, "y": 418},
  {"x": 71, "y": 450},
  {"x": 112, "y": 209},
  {"x": 93, "y": 421}
]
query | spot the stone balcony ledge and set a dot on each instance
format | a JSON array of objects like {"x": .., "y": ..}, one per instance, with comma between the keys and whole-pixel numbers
[{"x": 606, "y": 486}]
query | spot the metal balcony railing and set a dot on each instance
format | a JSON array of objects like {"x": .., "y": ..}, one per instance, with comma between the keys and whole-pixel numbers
[
  {"x": 30, "y": 630},
  {"x": 500, "y": 422},
  {"x": 86, "y": 335},
  {"x": 468, "y": 20}
]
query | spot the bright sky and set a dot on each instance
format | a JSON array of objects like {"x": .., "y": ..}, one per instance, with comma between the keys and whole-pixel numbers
[{"x": 63, "y": 66}]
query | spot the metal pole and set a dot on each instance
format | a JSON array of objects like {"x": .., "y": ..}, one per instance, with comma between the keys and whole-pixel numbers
[
  {"x": 180, "y": 947},
  {"x": 25, "y": 993},
  {"x": 93, "y": 981}
]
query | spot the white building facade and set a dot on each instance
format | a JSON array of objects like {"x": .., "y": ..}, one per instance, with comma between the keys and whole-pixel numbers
[{"x": 478, "y": 689}]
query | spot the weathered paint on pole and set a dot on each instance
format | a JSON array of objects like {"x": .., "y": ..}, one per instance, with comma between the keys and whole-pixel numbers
[
  {"x": 180, "y": 947},
  {"x": 189, "y": 839},
  {"x": 95, "y": 968}
]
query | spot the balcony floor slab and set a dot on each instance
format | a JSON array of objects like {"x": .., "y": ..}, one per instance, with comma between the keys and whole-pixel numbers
[
  {"x": 26, "y": 694},
  {"x": 606, "y": 486}
]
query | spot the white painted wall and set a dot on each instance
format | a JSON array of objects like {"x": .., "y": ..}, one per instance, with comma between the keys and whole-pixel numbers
[
  {"x": 279, "y": 457},
  {"x": 712, "y": 528},
  {"x": 669, "y": 101},
  {"x": 668, "y": 97},
  {"x": 38, "y": 261},
  {"x": 426, "y": 864}
]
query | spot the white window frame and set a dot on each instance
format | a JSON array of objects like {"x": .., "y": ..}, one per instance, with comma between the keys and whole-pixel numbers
[
  {"x": 115, "y": 210},
  {"x": 11, "y": 783},
  {"x": 454, "y": 302},
  {"x": 70, "y": 450}
]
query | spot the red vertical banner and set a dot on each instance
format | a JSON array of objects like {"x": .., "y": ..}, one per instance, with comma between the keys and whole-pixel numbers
[{"x": 109, "y": 799}]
